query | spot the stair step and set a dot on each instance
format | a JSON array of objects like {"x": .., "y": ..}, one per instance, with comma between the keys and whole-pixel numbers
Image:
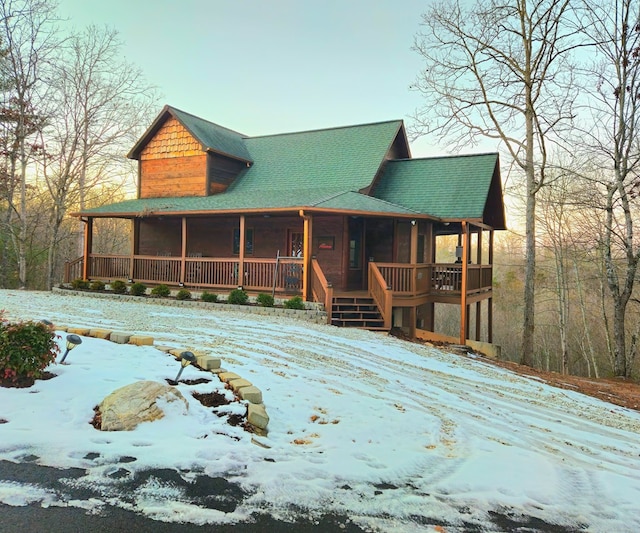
[{"x": 358, "y": 312}]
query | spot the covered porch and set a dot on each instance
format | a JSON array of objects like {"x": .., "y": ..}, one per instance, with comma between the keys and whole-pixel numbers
[{"x": 404, "y": 267}]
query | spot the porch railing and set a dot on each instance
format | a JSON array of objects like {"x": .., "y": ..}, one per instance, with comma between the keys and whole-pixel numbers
[
  {"x": 409, "y": 279},
  {"x": 321, "y": 289},
  {"x": 434, "y": 278},
  {"x": 73, "y": 269},
  {"x": 381, "y": 293},
  {"x": 200, "y": 272}
]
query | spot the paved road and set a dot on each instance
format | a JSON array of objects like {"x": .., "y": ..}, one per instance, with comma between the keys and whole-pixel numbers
[{"x": 214, "y": 493}]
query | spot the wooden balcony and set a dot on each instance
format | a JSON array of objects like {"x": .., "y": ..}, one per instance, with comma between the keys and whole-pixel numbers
[{"x": 435, "y": 282}]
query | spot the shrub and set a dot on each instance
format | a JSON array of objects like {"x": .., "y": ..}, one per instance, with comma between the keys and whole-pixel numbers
[
  {"x": 97, "y": 285},
  {"x": 118, "y": 286},
  {"x": 208, "y": 297},
  {"x": 265, "y": 300},
  {"x": 294, "y": 303},
  {"x": 26, "y": 349},
  {"x": 138, "y": 289},
  {"x": 238, "y": 297},
  {"x": 80, "y": 284},
  {"x": 161, "y": 291},
  {"x": 183, "y": 294}
]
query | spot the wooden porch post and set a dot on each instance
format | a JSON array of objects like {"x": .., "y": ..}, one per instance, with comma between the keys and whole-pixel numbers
[
  {"x": 413, "y": 249},
  {"x": 88, "y": 245},
  {"x": 464, "y": 311},
  {"x": 132, "y": 245},
  {"x": 479, "y": 304},
  {"x": 184, "y": 250},
  {"x": 490, "y": 300},
  {"x": 241, "y": 253},
  {"x": 306, "y": 253}
]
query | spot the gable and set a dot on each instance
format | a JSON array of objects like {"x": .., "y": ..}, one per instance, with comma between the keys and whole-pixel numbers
[
  {"x": 210, "y": 136},
  {"x": 450, "y": 188},
  {"x": 171, "y": 140}
]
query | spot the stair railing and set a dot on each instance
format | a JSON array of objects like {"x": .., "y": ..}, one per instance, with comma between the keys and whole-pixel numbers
[
  {"x": 321, "y": 289},
  {"x": 381, "y": 293}
]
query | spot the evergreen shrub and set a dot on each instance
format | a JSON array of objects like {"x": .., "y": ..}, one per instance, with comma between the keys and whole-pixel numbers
[
  {"x": 138, "y": 289},
  {"x": 238, "y": 297}
]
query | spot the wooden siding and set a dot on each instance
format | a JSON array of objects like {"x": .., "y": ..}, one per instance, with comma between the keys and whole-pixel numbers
[
  {"x": 171, "y": 140},
  {"x": 331, "y": 261},
  {"x": 222, "y": 171},
  {"x": 175, "y": 176},
  {"x": 172, "y": 164}
]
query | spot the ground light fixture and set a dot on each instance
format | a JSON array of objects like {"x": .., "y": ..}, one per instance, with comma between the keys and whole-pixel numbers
[
  {"x": 186, "y": 358},
  {"x": 72, "y": 342}
]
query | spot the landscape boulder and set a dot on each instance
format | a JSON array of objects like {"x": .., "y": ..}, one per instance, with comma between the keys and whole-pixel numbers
[{"x": 133, "y": 404}]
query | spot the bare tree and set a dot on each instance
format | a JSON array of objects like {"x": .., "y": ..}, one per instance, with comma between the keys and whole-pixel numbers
[
  {"x": 499, "y": 70},
  {"x": 611, "y": 142},
  {"x": 28, "y": 33},
  {"x": 102, "y": 101}
]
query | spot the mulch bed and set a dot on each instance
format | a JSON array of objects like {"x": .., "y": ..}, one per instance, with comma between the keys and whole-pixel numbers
[{"x": 22, "y": 382}]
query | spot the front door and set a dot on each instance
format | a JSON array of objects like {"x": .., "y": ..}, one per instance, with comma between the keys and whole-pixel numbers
[{"x": 355, "y": 279}]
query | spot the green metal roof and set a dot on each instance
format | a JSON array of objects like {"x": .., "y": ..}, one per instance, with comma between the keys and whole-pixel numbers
[{"x": 452, "y": 187}]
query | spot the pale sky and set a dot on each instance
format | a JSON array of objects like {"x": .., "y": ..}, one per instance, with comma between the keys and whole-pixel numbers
[{"x": 261, "y": 67}]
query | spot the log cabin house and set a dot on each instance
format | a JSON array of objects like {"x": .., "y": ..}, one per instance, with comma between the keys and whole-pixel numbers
[{"x": 342, "y": 216}]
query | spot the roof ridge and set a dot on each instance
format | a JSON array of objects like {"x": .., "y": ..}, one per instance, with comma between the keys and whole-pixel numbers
[
  {"x": 331, "y": 197},
  {"x": 399, "y": 121},
  {"x": 448, "y": 156},
  {"x": 243, "y": 135}
]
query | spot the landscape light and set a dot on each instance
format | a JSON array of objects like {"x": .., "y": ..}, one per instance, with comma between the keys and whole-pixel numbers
[
  {"x": 186, "y": 358},
  {"x": 72, "y": 342}
]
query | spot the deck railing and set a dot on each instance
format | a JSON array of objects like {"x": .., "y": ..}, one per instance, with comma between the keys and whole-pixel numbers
[
  {"x": 73, "y": 269},
  {"x": 200, "y": 272},
  {"x": 434, "y": 278},
  {"x": 321, "y": 289},
  {"x": 403, "y": 280},
  {"x": 381, "y": 293},
  {"x": 409, "y": 279}
]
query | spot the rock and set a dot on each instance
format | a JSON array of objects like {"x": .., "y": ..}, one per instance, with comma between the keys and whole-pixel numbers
[
  {"x": 228, "y": 376},
  {"x": 100, "y": 333},
  {"x": 251, "y": 394},
  {"x": 132, "y": 404},
  {"x": 206, "y": 362},
  {"x": 257, "y": 415},
  {"x": 239, "y": 384},
  {"x": 141, "y": 340},
  {"x": 119, "y": 337}
]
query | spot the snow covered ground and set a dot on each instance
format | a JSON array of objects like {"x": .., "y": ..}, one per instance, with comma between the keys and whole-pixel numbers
[{"x": 389, "y": 433}]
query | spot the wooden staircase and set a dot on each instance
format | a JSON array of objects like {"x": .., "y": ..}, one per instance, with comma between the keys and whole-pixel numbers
[{"x": 356, "y": 311}]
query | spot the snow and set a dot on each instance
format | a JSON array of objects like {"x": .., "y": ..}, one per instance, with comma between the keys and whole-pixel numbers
[{"x": 361, "y": 424}]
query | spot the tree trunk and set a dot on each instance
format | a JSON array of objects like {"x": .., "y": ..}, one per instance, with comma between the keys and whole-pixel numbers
[{"x": 619, "y": 339}]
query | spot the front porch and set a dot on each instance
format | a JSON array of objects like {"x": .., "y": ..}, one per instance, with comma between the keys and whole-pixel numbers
[{"x": 391, "y": 287}]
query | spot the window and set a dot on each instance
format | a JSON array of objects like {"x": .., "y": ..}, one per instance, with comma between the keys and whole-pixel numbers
[{"x": 248, "y": 241}]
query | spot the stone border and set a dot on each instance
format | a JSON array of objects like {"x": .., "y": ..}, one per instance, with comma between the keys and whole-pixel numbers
[
  {"x": 257, "y": 416},
  {"x": 314, "y": 312}
]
